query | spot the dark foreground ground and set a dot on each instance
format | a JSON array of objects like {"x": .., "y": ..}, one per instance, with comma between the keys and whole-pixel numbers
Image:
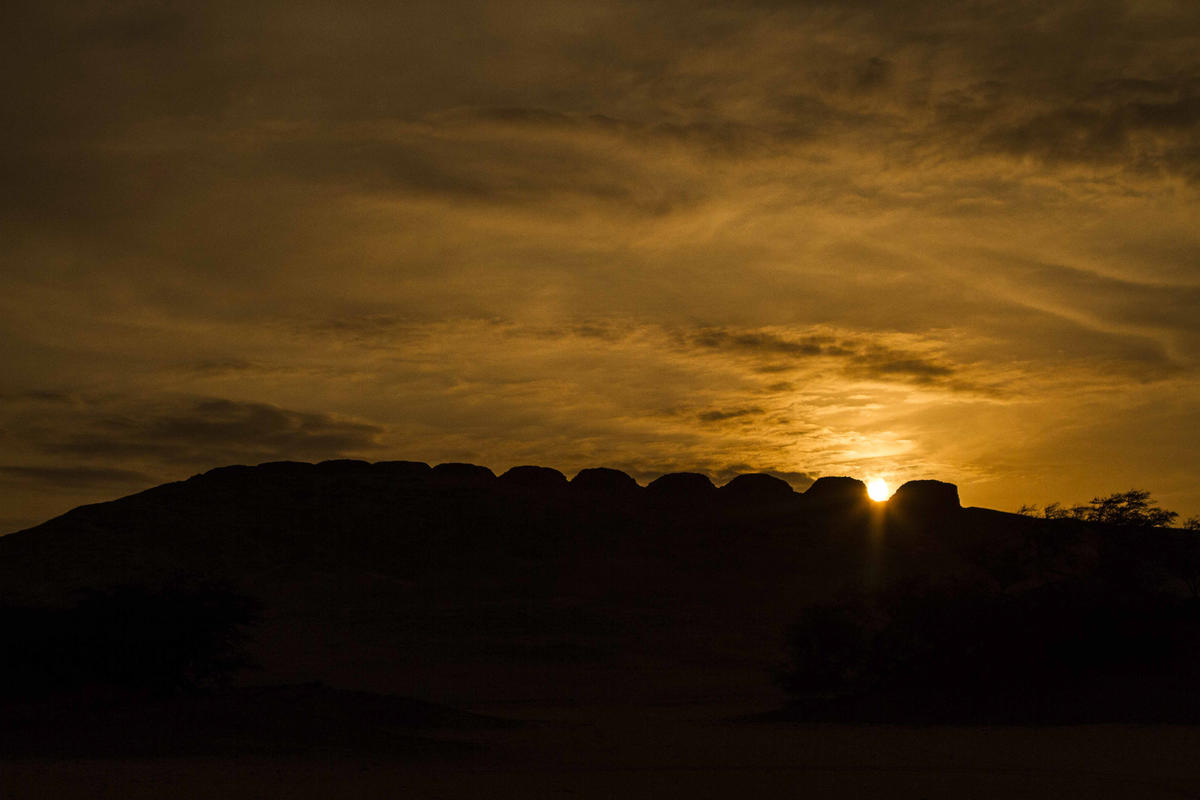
[
  {"x": 393, "y": 630},
  {"x": 689, "y": 751}
]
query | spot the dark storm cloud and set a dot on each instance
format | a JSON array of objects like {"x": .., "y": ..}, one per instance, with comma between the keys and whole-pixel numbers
[
  {"x": 73, "y": 477},
  {"x": 215, "y": 429}
]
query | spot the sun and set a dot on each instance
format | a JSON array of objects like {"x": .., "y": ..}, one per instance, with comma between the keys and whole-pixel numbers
[{"x": 877, "y": 489}]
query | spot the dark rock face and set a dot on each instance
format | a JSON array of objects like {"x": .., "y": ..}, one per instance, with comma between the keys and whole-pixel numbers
[
  {"x": 237, "y": 472},
  {"x": 614, "y": 596},
  {"x": 537, "y": 478},
  {"x": 680, "y": 485},
  {"x": 758, "y": 487},
  {"x": 294, "y": 468},
  {"x": 457, "y": 474},
  {"x": 834, "y": 491},
  {"x": 926, "y": 497},
  {"x": 602, "y": 480},
  {"x": 346, "y": 466},
  {"x": 403, "y": 469}
]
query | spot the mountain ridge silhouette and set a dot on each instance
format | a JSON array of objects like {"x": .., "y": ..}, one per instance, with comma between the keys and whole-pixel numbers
[
  {"x": 454, "y": 562},
  {"x": 455, "y": 585}
]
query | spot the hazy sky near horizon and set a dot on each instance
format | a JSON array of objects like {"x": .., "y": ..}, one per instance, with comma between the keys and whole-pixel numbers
[{"x": 902, "y": 239}]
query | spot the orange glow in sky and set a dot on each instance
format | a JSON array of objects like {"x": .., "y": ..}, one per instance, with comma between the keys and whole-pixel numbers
[{"x": 823, "y": 238}]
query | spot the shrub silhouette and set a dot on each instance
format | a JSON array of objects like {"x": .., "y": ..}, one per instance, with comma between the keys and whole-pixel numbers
[
  {"x": 1133, "y": 508},
  {"x": 832, "y": 649},
  {"x": 969, "y": 642}
]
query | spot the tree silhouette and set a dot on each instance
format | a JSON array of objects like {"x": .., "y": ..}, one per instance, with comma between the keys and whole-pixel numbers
[{"x": 1133, "y": 508}]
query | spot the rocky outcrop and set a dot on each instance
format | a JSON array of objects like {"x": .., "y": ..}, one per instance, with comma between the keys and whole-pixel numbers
[
  {"x": 681, "y": 486},
  {"x": 403, "y": 469},
  {"x": 758, "y": 487},
  {"x": 836, "y": 491},
  {"x": 457, "y": 474},
  {"x": 925, "y": 497},
  {"x": 604, "y": 481},
  {"x": 346, "y": 466},
  {"x": 542, "y": 479},
  {"x": 275, "y": 468}
]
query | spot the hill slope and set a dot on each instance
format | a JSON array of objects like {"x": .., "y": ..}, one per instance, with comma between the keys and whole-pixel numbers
[{"x": 458, "y": 586}]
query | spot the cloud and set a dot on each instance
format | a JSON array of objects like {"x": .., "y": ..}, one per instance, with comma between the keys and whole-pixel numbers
[
  {"x": 760, "y": 342},
  {"x": 1153, "y": 135},
  {"x": 721, "y": 415},
  {"x": 884, "y": 364},
  {"x": 215, "y": 431},
  {"x": 70, "y": 478},
  {"x": 580, "y": 233},
  {"x": 222, "y": 366},
  {"x": 858, "y": 355},
  {"x": 137, "y": 27},
  {"x": 44, "y": 396}
]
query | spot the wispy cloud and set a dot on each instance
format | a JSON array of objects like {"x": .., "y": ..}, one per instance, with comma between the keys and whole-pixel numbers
[
  {"x": 73, "y": 477},
  {"x": 721, "y": 415},
  {"x": 209, "y": 431},
  {"x": 902, "y": 236}
]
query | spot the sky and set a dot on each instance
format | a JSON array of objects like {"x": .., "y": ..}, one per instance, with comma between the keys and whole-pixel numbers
[{"x": 908, "y": 239}]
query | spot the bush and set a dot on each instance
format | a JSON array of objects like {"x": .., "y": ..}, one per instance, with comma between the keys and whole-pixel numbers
[
  {"x": 1132, "y": 509},
  {"x": 965, "y": 641}
]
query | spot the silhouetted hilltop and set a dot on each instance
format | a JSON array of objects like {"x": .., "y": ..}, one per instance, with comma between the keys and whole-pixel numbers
[
  {"x": 758, "y": 487},
  {"x": 536, "y": 478},
  {"x": 925, "y": 496},
  {"x": 452, "y": 584},
  {"x": 402, "y": 469},
  {"x": 454, "y": 564},
  {"x": 462, "y": 474},
  {"x": 833, "y": 491},
  {"x": 682, "y": 487},
  {"x": 602, "y": 480}
]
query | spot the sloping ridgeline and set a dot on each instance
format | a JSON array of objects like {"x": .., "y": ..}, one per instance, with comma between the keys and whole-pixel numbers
[{"x": 456, "y": 585}]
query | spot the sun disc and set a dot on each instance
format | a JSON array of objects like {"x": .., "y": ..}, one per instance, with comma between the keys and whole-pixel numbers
[{"x": 877, "y": 490}]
